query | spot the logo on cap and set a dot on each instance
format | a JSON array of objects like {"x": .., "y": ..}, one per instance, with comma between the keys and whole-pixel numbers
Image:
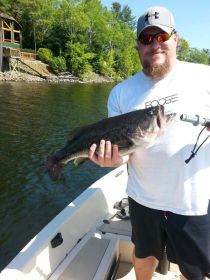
[{"x": 146, "y": 19}]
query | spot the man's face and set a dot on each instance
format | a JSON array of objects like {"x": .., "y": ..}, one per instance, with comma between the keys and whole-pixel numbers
[{"x": 157, "y": 59}]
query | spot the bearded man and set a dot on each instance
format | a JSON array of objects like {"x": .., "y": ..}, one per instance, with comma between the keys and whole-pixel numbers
[{"x": 168, "y": 199}]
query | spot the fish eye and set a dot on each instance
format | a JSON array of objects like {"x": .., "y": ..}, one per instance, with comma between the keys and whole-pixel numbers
[{"x": 150, "y": 112}]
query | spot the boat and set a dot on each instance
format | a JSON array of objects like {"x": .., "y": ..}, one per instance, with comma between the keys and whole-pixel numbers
[{"x": 87, "y": 240}]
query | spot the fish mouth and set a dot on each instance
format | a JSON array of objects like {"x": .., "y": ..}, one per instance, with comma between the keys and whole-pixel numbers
[
  {"x": 160, "y": 115},
  {"x": 162, "y": 118},
  {"x": 158, "y": 121}
]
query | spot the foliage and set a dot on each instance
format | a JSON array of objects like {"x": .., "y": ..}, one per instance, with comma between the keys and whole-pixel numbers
[
  {"x": 123, "y": 14},
  {"x": 58, "y": 64},
  {"x": 78, "y": 58},
  {"x": 186, "y": 53},
  {"x": 197, "y": 56},
  {"x": 183, "y": 48},
  {"x": 207, "y": 52},
  {"x": 107, "y": 67},
  {"x": 83, "y": 36},
  {"x": 45, "y": 54}
]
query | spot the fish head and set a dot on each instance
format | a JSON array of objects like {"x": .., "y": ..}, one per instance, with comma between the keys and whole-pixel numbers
[{"x": 152, "y": 123}]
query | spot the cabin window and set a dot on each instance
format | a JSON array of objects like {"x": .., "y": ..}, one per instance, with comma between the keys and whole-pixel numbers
[
  {"x": 6, "y": 24},
  {"x": 16, "y": 27},
  {"x": 7, "y": 36},
  {"x": 17, "y": 37},
  {"x": 11, "y": 31}
]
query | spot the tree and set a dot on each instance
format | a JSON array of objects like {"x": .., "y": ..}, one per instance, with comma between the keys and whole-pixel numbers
[
  {"x": 182, "y": 49},
  {"x": 78, "y": 58},
  {"x": 45, "y": 54},
  {"x": 207, "y": 51},
  {"x": 84, "y": 35},
  {"x": 197, "y": 56},
  {"x": 69, "y": 25},
  {"x": 97, "y": 24},
  {"x": 124, "y": 14},
  {"x": 58, "y": 64},
  {"x": 35, "y": 17}
]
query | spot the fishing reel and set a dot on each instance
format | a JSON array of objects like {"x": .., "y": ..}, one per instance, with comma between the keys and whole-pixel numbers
[{"x": 195, "y": 120}]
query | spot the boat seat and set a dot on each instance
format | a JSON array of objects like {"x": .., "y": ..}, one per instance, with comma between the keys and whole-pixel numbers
[
  {"x": 94, "y": 259},
  {"x": 116, "y": 226}
]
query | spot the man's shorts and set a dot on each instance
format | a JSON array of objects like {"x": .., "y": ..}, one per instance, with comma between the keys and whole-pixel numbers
[{"x": 185, "y": 238}]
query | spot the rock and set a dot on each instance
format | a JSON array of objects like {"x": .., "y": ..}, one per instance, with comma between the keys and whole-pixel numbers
[{"x": 64, "y": 77}]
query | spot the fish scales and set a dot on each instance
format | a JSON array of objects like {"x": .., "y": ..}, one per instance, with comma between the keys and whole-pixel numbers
[{"x": 128, "y": 131}]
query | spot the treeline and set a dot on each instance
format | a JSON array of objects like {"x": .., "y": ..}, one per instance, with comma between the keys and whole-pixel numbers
[{"x": 83, "y": 36}]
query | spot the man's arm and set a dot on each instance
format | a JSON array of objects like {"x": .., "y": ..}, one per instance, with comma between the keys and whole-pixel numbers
[{"x": 107, "y": 155}]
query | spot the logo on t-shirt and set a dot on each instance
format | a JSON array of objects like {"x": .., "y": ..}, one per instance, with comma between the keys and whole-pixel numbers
[{"x": 162, "y": 101}]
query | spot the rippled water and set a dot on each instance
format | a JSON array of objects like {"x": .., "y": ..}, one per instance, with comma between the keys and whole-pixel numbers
[{"x": 34, "y": 119}]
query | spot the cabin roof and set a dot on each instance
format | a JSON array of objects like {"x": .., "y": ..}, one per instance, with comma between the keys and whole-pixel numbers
[{"x": 2, "y": 15}]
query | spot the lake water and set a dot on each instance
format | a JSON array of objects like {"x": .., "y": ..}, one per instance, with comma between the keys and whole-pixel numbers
[{"x": 34, "y": 120}]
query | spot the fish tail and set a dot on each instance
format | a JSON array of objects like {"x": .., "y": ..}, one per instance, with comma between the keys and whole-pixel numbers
[{"x": 53, "y": 167}]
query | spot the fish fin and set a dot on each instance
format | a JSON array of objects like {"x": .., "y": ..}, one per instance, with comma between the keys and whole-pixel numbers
[
  {"x": 79, "y": 161},
  {"x": 53, "y": 167}
]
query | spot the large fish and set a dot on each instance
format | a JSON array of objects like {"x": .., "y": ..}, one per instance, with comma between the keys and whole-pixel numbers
[{"x": 128, "y": 131}]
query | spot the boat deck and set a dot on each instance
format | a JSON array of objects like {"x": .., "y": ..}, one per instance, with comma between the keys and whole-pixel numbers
[
  {"x": 125, "y": 270},
  {"x": 106, "y": 254}
]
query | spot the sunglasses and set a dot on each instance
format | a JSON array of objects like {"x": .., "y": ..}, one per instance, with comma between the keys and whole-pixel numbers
[{"x": 160, "y": 37}]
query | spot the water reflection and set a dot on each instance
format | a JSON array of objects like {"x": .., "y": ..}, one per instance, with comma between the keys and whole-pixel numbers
[{"x": 34, "y": 119}]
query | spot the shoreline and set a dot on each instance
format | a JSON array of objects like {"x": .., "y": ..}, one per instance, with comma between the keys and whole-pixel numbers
[{"x": 66, "y": 77}]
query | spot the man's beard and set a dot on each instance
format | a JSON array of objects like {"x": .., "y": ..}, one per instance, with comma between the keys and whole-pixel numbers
[{"x": 156, "y": 72}]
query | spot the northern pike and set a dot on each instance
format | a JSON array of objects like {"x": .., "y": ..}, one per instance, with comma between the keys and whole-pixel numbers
[{"x": 128, "y": 131}]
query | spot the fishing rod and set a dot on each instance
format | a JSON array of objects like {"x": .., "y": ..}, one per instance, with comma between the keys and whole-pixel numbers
[{"x": 196, "y": 120}]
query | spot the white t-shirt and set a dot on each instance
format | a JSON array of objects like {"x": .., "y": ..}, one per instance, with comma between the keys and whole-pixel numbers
[{"x": 159, "y": 178}]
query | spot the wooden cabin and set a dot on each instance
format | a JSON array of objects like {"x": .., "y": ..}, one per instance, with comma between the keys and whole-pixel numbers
[{"x": 10, "y": 38}]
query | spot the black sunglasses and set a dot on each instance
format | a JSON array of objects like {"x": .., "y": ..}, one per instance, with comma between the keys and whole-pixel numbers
[{"x": 160, "y": 37}]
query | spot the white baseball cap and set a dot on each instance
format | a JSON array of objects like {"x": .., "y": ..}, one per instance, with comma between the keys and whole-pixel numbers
[{"x": 156, "y": 16}]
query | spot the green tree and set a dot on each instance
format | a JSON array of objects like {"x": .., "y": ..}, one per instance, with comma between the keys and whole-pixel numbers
[
  {"x": 69, "y": 25},
  {"x": 197, "y": 56},
  {"x": 207, "y": 51},
  {"x": 97, "y": 24},
  {"x": 78, "y": 58},
  {"x": 182, "y": 49},
  {"x": 108, "y": 64},
  {"x": 129, "y": 62},
  {"x": 58, "y": 64},
  {"x": 83, "y": 35},
  {"x": 45, "y": 54},
  {"x": 124, "y": 14},
  {"x": 35, "y": 17}
]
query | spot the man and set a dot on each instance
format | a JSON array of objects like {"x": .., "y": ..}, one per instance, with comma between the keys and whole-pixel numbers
[{"x": 168, "y": 197}]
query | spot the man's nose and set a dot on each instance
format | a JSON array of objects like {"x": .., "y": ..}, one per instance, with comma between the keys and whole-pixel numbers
[{"x": 155, "y": 44}]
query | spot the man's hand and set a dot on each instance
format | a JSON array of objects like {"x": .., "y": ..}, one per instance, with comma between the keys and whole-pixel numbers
[{"x": 107, "y": 155}]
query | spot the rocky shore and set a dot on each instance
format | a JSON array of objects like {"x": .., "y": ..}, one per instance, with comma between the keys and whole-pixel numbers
[
  {"x": 27, "y": 70},
  {"x": 66, "y": 77},
  {"x": 19, "y": 77}
]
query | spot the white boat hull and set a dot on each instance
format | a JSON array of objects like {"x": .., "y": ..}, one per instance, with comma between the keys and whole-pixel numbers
[
  {"x": 83, "y": 242},
  {"x": 38, "y": 260}
]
